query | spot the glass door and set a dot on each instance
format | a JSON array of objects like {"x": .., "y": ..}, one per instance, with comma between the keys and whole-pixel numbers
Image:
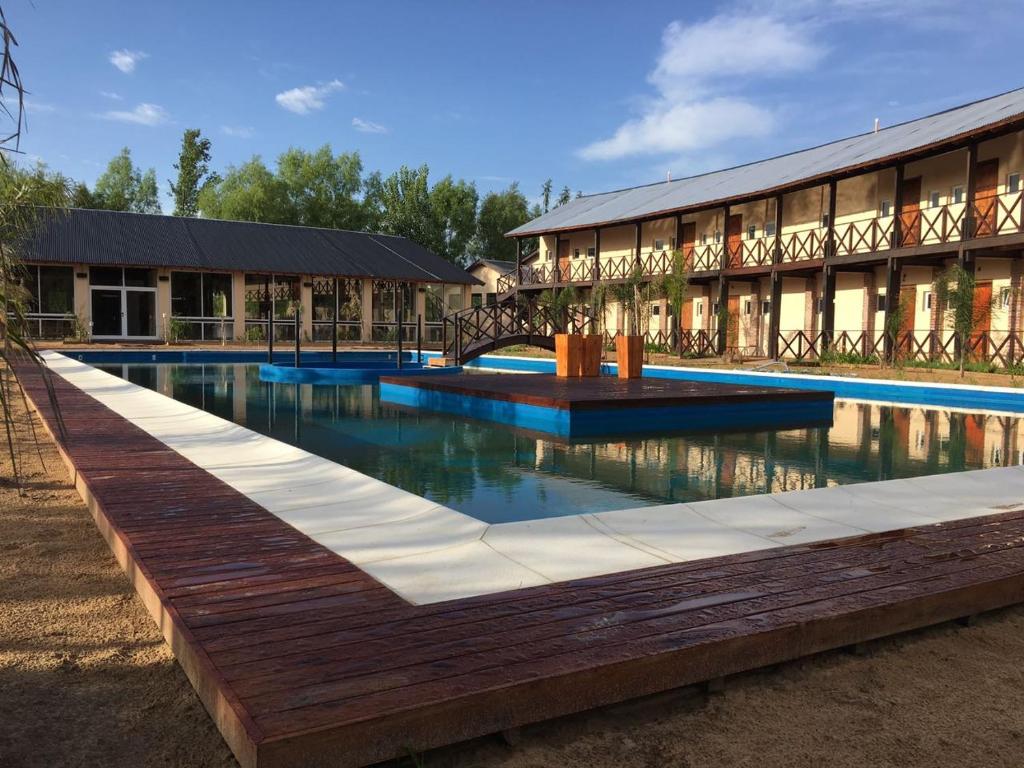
[
  {"x": 140, "y": 313},
  {"x": 107, "y": 314}
]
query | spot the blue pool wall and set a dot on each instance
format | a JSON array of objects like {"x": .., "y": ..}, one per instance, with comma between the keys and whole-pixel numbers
[
  {"x": 345, "y": 371},
  {"x": 614, "y": 421},
  {"x": 1004, "y": 399}
]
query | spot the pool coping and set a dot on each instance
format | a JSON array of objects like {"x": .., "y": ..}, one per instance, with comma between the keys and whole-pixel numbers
[{"x": 428, "y": 553}]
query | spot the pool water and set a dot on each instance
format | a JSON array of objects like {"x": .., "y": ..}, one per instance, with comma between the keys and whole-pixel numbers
[{"x": 497, "y": 474}]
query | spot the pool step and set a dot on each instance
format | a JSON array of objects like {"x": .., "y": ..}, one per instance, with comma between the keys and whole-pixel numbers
[{"x": 441, "y": 362}]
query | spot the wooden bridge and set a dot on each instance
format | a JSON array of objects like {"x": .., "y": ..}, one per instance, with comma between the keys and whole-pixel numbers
[{"x": 477, "y": 330}]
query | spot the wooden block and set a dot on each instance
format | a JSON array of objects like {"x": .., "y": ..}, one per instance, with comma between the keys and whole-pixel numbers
[
  {"x": 590, "y": 360},
  {"x": 629, "y": 353},
  {"x": 567, "y": 354}
]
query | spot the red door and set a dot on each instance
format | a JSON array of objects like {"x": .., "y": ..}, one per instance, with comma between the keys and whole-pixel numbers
[
  {"x": 687, "y": 318},
  {"x": 986, "y": 179},
  {"x": 734, "y": 241},
  {"x": 563, "y": 261},
  {"x": 689, "y": 236},
  {"x": 977, "y": 349},
  {"x": 910, "y": 214}
]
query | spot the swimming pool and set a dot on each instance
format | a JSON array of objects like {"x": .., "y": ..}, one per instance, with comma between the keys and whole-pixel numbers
[{"x": 498, "y": 474}]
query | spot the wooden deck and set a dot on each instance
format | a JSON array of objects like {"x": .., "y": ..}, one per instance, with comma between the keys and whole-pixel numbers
[
  {"x": 601, "y": 392},
  {"x": 302, "y": 659}
]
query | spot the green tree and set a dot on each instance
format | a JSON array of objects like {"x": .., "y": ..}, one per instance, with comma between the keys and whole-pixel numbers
[
  {"x": 193, "y": 166},
  {"x": 323, "y": 188},
  {"x": 545, "y": 194},
  {"x": 249, "y": 192},
  {"x": 954, "y": 290},
  {"x": 499, "y": 213},
  {"x": 564, "y": 196},
  {"x": 81, "y": 197},
  {"x": 453, "y": 211},
  {"x": 123, "y": 187}
]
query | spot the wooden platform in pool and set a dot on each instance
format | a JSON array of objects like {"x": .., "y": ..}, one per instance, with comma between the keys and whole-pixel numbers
[
  {"x": 303, "y": 660},
  {"x": 605, "y": 405}
]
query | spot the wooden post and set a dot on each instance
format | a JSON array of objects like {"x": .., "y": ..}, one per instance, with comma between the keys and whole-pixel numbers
[
  {"x": 298, "y": 334},
  {"x": 399, "y": 318},
  {"x": 334, "y": 325},
  {"x": 596, "y": 269},
  {"x": 897, "y": 209},
  {"x": 723, "y": 310},
  {"x": 270, "y": 321},
  {"x": 419, "y": 339},
  {"x": 774, "y": 315},
  {"x": 726, "y": 255},
  {"x": 519, "y": 259},
  {"x": 639, "y": 230},
  {"x": 830, "y": 236},
  {"x": 892, "y": 300},
  {"x": 972, "y": 183},
  {"x": 778, "y": 230},
  {"x": 828, "y": 307}
]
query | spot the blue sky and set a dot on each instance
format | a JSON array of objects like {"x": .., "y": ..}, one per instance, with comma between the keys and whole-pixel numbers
[{"x": 596, "y": 95}]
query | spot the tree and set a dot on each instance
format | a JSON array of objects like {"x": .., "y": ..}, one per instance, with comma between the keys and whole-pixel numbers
[
  {"x": 193, "y": 166},
  {"x": 545, "y": 194},
  {"x": 249, "y": 192},
  {"x": 122, "y": 187},
  {"x": 81, "y": 197},
  {"x": 453, "y": 208},
  {"x": 954, "y": 290},
  {"x": 499, "y": 213},
  {"x": 323, "y": 188},
  {"x": 564, "y": 196}
]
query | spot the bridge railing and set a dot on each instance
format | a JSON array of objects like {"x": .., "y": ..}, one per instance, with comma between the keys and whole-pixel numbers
[{"x": 475, "y": 330}]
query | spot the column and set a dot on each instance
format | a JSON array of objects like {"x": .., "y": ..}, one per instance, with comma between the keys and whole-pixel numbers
[
  {"x": 828, "y": 307},
  {"x": 366, "y": 310},
  {"x": 775, "y": 314},
  {"x": 972, "y": 182},
  {"x": 892, "y": 300},
  {"x": 723, "y": 311},
  {"x": 238, "y": 304},
  {"x": 306, "y": 300}
]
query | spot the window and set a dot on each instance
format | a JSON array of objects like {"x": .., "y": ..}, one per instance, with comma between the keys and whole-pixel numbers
[
  {"x": 476, "y": 300},
  {"x": 824, "y": 220},
  {"x": 933, "y": 199},
  {"x": 748, "y": 307},
  {"x": 751, "y": 232},
  {"x": 1004, "y": 297},
  {"x": 547, "y": 254},
  {"x": 492, "y": 298},
  {"x": 575, "y": 253},
  {"x": 714, "y": 308},
  {"x": 700, "y": 308},
  {"x": 655, "y": 310},
  {"x": 718, "y": 235},
  {"x": 591, "y": 252},
  {"x": 769, "y": 229},
  {"x": 659, "y": 245},
  {"x": 885, "y": 209},
  {"x": 1013, "y": 183},
  {"x": 926, "y": 301},
  {"x": 821, "y": 305},
  {"x": 958, "y": 195},
  {"x": 880, "y": 303},
  {"x": 766, "y": 307},
  {"x": 703, "y": 238},
  {"x": 51, "y": 301}
]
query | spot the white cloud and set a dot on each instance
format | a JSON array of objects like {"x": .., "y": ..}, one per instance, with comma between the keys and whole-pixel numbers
[
  {"x": 307, "y": 98},
  {"x": 237, "y": 131},
  {"x": 110, "y": 95},
  {"x": 699, "y": 61},
  {"x": 367, "y": 126},
  {"x": 143, "y": 114},
  {"x": 126, "y": 60}
]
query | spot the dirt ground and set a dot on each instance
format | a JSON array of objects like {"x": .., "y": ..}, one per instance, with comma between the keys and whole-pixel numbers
[{"x": 86, "y": 680}]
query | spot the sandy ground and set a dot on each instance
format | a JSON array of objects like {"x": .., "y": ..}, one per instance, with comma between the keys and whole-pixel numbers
[{"x": 86, "y": 680}]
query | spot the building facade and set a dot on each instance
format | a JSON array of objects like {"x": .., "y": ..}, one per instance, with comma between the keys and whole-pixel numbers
[
  {"x": 836, "y": 247},
  {"x": 107, "y": 276},
  {"x": 488, "y": 272}
]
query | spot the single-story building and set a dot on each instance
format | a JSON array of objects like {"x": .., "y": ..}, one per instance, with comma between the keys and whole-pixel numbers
[
  {"x": 109, "y": 275},
  {"x": 487, "y": 271}
]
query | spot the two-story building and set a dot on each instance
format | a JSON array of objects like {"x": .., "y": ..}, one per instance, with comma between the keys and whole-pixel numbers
[{"x": 829, "y": 247}]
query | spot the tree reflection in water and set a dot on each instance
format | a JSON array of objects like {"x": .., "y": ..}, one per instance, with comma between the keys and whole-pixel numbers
[{"x": 499, "y": 474}]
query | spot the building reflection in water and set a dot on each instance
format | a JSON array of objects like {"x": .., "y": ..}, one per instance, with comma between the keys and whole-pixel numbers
[{"x": 499, "y": 474}]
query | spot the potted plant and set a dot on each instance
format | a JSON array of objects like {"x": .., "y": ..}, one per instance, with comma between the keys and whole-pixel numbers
[
  {"x": 674, "y": 286},
  {"x": 633, "y": 297},
  {"x": 568, "y": 346},
  {"x": 593, "y": 342}
]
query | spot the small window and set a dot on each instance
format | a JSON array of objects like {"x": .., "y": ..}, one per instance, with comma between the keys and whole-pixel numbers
[
  {"x": 477, "y": 300},
  {"x": 748, "y": 307},
  {"x": 1004, "y": 297},
  {"x": 547, "y": 254},
  {"x": 718, "y": 235},
  {"x": 492, "y": 298},
  {"x": 769, "y": 229},
  {"x": 880, "y": 303},
  {"x": 700, "y": 309},
  {"x": 751, "y": 232},
  {"x": 821, "y": 305},
  {"x": 703, "y": 238},
  {"x": 766, "y": 307},
  {"x": 672, "y": 243},
  {"x": 885, "y": 209},
  {"x": 824, "y": 221},
  {"x": 933, "y": 199},
  {"x": 655, "y": 310},
  {"x": 591, "y": 252},
  {"x": 958, "y": 195},
  {"x": 926, "y": 301},
  {"x": 575, "y": 253},
  {"x": 659, "y": 245},
  {"x": 714, "y": 308},
  {"x": 1013, "y": 183}
]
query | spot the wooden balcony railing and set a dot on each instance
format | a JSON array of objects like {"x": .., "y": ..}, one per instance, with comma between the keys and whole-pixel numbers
[
  {"x": 863, "y": 235},
  {"x": 576, "y": 271},
  {"x": 756, "y": 252},
  {"x": 804, "y": 245},
  {"x": 704, "y": 257},
  {"x": 998, "y": 215}
]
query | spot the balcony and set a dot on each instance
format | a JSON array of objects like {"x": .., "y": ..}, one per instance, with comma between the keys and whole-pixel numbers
[{"x": 804, "y": 244}]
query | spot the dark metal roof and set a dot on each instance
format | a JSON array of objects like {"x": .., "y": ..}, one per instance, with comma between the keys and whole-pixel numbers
[
  {"x": 81, "y": 236},
  {"x": 857, "y": 152},
  {"x": 502, "y": 266}
]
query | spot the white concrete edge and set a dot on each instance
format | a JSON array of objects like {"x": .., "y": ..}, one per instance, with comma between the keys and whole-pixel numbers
[{"x": 427, "y": 553}]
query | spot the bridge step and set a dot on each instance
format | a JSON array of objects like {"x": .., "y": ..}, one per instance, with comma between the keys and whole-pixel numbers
[{"x": 441, "y": 362}]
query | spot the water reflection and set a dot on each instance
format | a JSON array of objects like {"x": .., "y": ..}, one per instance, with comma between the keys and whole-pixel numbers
[{"x": 498, "y": 474}]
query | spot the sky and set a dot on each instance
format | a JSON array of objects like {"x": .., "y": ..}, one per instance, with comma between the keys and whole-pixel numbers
[{"x": 594, "y": 95}]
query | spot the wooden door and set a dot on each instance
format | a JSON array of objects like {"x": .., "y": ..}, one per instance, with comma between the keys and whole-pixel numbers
[
  {"x": 986, "y": 181},
  {"x": 733, "y": 334},
  {"x": 734, "y": 240},
  {"x": 564, "y": 257},
  {"x": 910, "y": 214},
  {"x": 978, "y": 348},
  {"x": 904, "y": 340},
  {"x": 688, "y": 233},
  {"x": 687, "y": 316}
]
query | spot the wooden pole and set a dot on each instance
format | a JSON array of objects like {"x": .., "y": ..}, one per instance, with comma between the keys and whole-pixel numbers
[
  {"x": 298, "y": 335},
  {"x": 270, "y": 322},
  {"x": 334, "y": 325},
  {"x": 400, "y": 309},
  {"x": 419, "y": 339}
]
